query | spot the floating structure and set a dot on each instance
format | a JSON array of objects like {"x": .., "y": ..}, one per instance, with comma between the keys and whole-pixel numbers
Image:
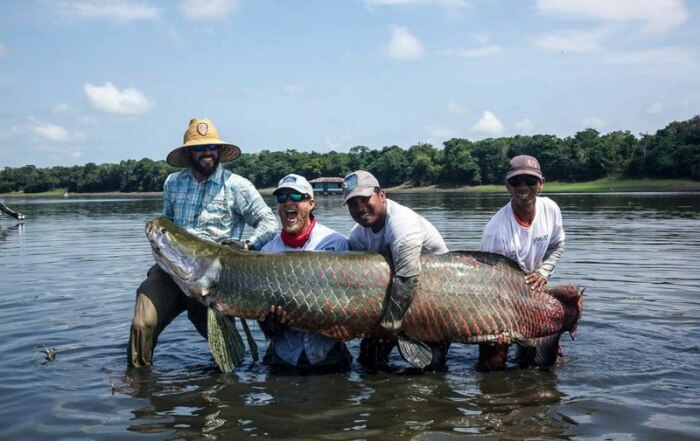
[
  {"x": 10, "y": 212},
  {"x": 327, "y": 185}
]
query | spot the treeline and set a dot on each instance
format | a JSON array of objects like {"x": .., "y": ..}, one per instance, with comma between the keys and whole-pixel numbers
[{"x": 672, "y": 152}]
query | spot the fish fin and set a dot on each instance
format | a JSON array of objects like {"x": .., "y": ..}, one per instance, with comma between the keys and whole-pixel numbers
[
  {"x": 541, "y": 352},
  {"x": 251, "y": 341},
  {"x": 414, "y": 351},
  {"x": 225, "y": 342}
]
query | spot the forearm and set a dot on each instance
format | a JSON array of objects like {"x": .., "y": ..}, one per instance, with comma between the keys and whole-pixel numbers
[{"x": 551, "y": 258}]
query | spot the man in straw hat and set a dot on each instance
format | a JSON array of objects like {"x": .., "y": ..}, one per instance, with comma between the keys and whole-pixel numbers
[
  {"x": 210, "y": 202},
  {"x": 528, "y": 230},
  {"x": 384, "y": 225}
]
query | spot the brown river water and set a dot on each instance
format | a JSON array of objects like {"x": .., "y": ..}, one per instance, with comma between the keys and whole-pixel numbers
[{"x": 69, "y": 271}]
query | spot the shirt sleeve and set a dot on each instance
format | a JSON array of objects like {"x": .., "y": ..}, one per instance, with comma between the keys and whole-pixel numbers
[
  {"x": 167, "y": 206},
  {"x": 405, "y": 253},
  {"x": 256, "y": 213}
]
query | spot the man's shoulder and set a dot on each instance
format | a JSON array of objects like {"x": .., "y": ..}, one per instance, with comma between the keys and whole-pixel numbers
[{"x": 231, "y": 178}]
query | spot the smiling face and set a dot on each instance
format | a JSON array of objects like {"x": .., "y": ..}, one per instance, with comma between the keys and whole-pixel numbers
[
  {"x": 205, "y": 162},
  {"x": 369, "y": 211},
  {"x": 295, "y": 216},
  {"x": 523, "y": 190}
]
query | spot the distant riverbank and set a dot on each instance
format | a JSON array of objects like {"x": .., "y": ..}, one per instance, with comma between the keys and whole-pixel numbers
[{"x": 599, "y": 186}]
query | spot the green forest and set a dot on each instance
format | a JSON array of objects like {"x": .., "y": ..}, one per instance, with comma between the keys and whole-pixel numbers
[{"x": 672, "y": 152}]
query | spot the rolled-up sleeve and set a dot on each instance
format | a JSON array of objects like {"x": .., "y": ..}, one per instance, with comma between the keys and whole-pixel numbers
[{"x": 257, "y": 214}]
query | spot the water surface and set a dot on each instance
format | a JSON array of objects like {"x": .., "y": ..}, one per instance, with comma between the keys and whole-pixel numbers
[{"x": 68, "y": 275}]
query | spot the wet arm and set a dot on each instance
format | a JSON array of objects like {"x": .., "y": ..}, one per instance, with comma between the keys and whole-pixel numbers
[{"x": 551, "y": 258}]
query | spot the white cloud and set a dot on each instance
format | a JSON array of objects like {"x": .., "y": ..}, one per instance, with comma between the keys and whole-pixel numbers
[
  {"x": 479, "y": 52},
  {"x": 441, "y": 133},
  {"x": 654, "y": 109},
  {"x": 454, "y": 108},
  {"x": 59, "y": 152},
  {"x": 202, "y": 10},
  {"x": 118, "y": 10},
  {"x": 655, "y": 15},
  {"x": 525, "y": 125},
  {"x": 4, "y": 51},
  {"x": 292, "y": 89},
  {"x": 109, "y": 99},
  {"x": 662, "y": 60},
  {"x": 488, "y": 125},
  {"x": 52, "y": 132},
  {"x": 594, "y": 122},
  {"x": 403, "y": 45},
  {"x": 337, "y": 144},
  {"x": 573, "y": 41},
  {"x": 449, "y": 4}
]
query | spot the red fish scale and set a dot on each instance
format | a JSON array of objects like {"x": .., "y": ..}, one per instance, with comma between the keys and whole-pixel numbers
[
  {"x": 460, "y": 298},
  {"x": 463, "y": 296}
]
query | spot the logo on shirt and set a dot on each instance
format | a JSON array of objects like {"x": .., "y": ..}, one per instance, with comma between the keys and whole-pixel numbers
[{"x": 540, "y": 239}]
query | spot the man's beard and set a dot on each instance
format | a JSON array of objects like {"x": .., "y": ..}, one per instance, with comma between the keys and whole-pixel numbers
[{"x": 205, "y": 170}]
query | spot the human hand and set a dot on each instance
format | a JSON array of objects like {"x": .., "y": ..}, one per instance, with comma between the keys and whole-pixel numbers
[
  {"x": 236, "y": 244},
  {"x": 275, "y": 320},
  {"x": 337, "y": 332},
  {"x": 535, "y": 281}
]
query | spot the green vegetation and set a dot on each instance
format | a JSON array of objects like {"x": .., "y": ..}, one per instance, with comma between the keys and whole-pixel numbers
[{"x": 588, "y": 161}]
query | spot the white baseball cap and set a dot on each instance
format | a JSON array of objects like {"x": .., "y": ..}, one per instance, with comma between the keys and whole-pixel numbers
[{"x": 296, "y": 183}]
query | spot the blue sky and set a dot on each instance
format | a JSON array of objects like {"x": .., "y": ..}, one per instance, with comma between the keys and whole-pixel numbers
[{"x": 110, "y": 80}]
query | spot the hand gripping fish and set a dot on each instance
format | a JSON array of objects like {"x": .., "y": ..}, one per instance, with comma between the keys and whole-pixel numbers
[{"x": 463, "y": 296}]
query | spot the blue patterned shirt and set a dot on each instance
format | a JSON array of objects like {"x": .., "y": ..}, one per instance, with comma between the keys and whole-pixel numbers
[{"x": 219, "y": 207}]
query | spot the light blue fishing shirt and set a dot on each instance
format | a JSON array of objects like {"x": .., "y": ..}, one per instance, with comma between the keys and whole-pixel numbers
[{"x": 219, "y": 207}]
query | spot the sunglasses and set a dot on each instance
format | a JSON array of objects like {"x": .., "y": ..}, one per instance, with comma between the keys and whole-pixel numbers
[
  {"x": 530, "y": 181},
  {"x": 294, "y": 197},
  {"x": 210, "y": 147}
]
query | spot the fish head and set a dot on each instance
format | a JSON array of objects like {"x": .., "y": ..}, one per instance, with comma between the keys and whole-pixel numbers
[{"x": 192, "y": 263}]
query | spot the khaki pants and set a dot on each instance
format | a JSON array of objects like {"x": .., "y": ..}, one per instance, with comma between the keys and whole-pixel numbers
[{"x": 158, "y": 301}]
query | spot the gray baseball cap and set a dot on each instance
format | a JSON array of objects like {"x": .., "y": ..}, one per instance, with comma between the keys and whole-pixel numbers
[
  {"x": 524, "y": 165},
  {"x": 359, "y": 183}
]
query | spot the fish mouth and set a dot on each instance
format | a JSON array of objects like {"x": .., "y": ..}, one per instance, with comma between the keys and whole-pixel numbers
[{"x": 165, "y": 255}]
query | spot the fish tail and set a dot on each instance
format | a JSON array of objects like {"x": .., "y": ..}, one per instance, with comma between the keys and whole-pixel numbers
[
  {"x": 225, "y": 342},
  {"x": 541, "y": 352}
]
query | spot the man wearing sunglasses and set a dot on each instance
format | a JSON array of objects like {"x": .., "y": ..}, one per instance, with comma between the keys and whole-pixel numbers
[
  {"x": 386, "y": 226},
  {"x": 210, "y": 202},
  {"x": 528, "y": 230},
  {"x": 301, "y": 232}
]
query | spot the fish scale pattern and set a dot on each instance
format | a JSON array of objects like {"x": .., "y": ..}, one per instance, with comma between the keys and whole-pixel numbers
[{"x": 463, "y": 296}]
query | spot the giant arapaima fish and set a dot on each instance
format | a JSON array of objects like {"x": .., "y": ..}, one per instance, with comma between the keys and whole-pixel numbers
[{"x": 463, "y": 296}]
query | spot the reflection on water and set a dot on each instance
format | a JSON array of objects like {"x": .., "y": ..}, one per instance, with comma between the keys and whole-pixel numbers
[{"x": 68, "y": 279}]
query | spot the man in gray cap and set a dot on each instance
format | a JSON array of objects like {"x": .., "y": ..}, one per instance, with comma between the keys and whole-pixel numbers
[
  {"x": 210, "y": 202},
  {"x": 528, "y": 230},
  {"x": 384, "y": 225}
]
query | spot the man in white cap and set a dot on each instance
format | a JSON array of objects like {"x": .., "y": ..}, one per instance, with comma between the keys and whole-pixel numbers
[
  {"x": 386, "y": 226},
  {"x": 302, "y": 232},
  {"x": 528, "y": 230},
  {"x": 210, "y": 202}
]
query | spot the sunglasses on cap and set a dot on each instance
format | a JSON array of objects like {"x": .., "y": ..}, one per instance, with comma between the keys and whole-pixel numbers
[
  {"x": 530, "y": 181},
  {"x": 294, "y": 197},
  {"x": 201, "y": 148}
]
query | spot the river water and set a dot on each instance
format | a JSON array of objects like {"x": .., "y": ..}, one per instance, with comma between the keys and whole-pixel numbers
[{"x": 68, "y": 274}]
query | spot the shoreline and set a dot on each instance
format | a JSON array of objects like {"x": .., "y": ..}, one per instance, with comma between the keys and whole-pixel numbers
[{"x": 599, "y": 186}]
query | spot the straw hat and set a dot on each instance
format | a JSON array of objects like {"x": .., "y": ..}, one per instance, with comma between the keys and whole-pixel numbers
[{"x": 199, "y": 132}]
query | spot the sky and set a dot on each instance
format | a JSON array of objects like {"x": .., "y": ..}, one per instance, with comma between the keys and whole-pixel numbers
[{"x": 104, "y": 81}]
